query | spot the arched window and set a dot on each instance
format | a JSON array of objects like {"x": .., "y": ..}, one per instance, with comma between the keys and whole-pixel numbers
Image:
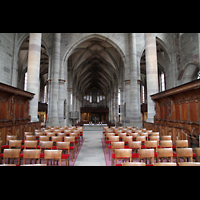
[
  {"x": 198, "y": 75},
  {"x": 25, "y": 81},
  {"x": 162, "y": 81}
]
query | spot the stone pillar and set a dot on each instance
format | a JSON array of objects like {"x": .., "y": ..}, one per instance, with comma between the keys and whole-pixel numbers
[
  {"x": 132, "y": 99},
  {"x": 151, "y": 72},
  {"x": 53, "y": 113},
  {"x": 33, "y": 72},
  {"x": 122, "y": 106}
]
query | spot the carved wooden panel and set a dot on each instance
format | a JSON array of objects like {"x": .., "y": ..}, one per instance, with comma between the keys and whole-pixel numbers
[
  {"x": 179, "y": 107},
  {"x": 3, "y": 110},
  {"x": 177, "y": 112},
  {"x": 193, "y": 111}
]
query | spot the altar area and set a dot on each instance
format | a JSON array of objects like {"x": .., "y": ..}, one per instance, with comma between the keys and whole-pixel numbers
[{"x": 93, "y": 127}]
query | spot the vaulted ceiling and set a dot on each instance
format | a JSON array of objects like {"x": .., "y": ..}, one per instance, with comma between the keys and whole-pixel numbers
[{"x": 95, "y": 63}]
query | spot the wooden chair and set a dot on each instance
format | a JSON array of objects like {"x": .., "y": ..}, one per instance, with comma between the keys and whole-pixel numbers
[
  {"x": 166, "y": 137},
  {"x": 133, "y": 164},
  {"x": 72, "y": 141},
  {"x": 33, "y": 165},
  {"x": 31, "y": 154},
  {"x": 135, "y": 146},
  {"x": 180, "y": 144},
  {"x": 9, "y": 137},
  {"x": 127, "y": 139},
  {"x": 4, "y": 165},
  {"x": 138, "y": 131},
  {"x": 155, "y": 138},
  {"x": 45, "y": 145},
  {"x": 38, "y": 134},
  {"x": 27, "y": 133},
  {"x": 67, "y": 132},
  {"x": 116, "y": 145},
  {"x": 184, "y": 153},
  {"x": 155, "y": 134},
  {"x": 165, "y": 164},
  {"x": 146, "y": 154},
  {"x": 64, "y": 146},
  {"x": 166, "y": 144},
  {"x": 165, "y": 153},
  {"x": 50, "y": 134},
  {"x": 144, "y": 134},
  {"x": 134, "y": 135},
  {"x": 107, "y": 135},
  {"x": 123, "y": 154},
  {"x": 30, "y": 144},
  {"x": 142, "y": 139},
  {"x": 77, "y": 140},
  {"x": 189, "y": 164},
  {"x": 30, "y": 137},
  {"x": 112, "y": 139},
  {"x": 53, "y": 155},
  {"x": 152, "y": 144},
  {"x": 15, "y": 144},
  {"x": 197, "y": 150},
  {"x": 56, "y": 139},
  {"x": 11, "y": 153},
  {"x": 61, "y": 134}
]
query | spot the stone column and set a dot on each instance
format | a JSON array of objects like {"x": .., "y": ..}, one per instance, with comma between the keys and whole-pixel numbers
[
  {"x": 151, "y": 72},
  {"x": 122, "y": 106},
  {"x": 33, "y": 72},
  {"x": 53, "y": 113},
  {"x": 133, "y": 110}
]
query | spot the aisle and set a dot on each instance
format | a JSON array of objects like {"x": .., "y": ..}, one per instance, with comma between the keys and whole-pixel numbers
[{"x": 91, "y": 153}]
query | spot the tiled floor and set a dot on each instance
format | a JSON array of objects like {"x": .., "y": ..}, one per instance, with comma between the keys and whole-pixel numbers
[{"x": 91, "y": 153}]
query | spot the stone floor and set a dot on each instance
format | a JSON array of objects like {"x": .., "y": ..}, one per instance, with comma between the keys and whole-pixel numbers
[{"x": 91, "y": 153}]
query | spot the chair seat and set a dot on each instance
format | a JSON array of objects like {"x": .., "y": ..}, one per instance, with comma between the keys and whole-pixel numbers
[
  {"x": 194, "y": 154},
  {"x": 107, "y": 142},
  {"x": 41, "y": 155},
  {"x": 21, "y": 155},
  {"x": 174, "y": 154},
  {"x": 142, "y": 146},
  {"x": 1, "y": 155},
  {"x": 64, "y": 156},
  {"x": 118, "y": 165},
  {"x": 173, "y": 146},
  {"x": 149, "y": 165},
  {"x": 5, "y": 146},
  {"x": 113, "y": 156},
  {"x": 54, "y": 147},
  {"x": 155, "y": 154},
  {"x": 27, "y": 147},
  {"x": 135, "y": 155},
  {"x": 71, "y": 147}
]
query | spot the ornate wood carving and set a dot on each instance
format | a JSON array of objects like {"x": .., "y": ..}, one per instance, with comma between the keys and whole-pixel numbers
[
  {"x": 178, "y": 109},
  {"x": 14, "y": 112}
]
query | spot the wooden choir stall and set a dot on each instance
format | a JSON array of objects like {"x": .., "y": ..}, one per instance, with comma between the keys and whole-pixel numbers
[
  {"x": 178, "y": 113},
  {"x": 14, "y": 112}
]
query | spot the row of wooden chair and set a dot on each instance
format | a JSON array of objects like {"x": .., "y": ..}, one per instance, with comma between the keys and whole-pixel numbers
[
  {"x": 148, "y": 154},
  {"x": 36, "y": 155},
  {"x": 28, "y": 144}
]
